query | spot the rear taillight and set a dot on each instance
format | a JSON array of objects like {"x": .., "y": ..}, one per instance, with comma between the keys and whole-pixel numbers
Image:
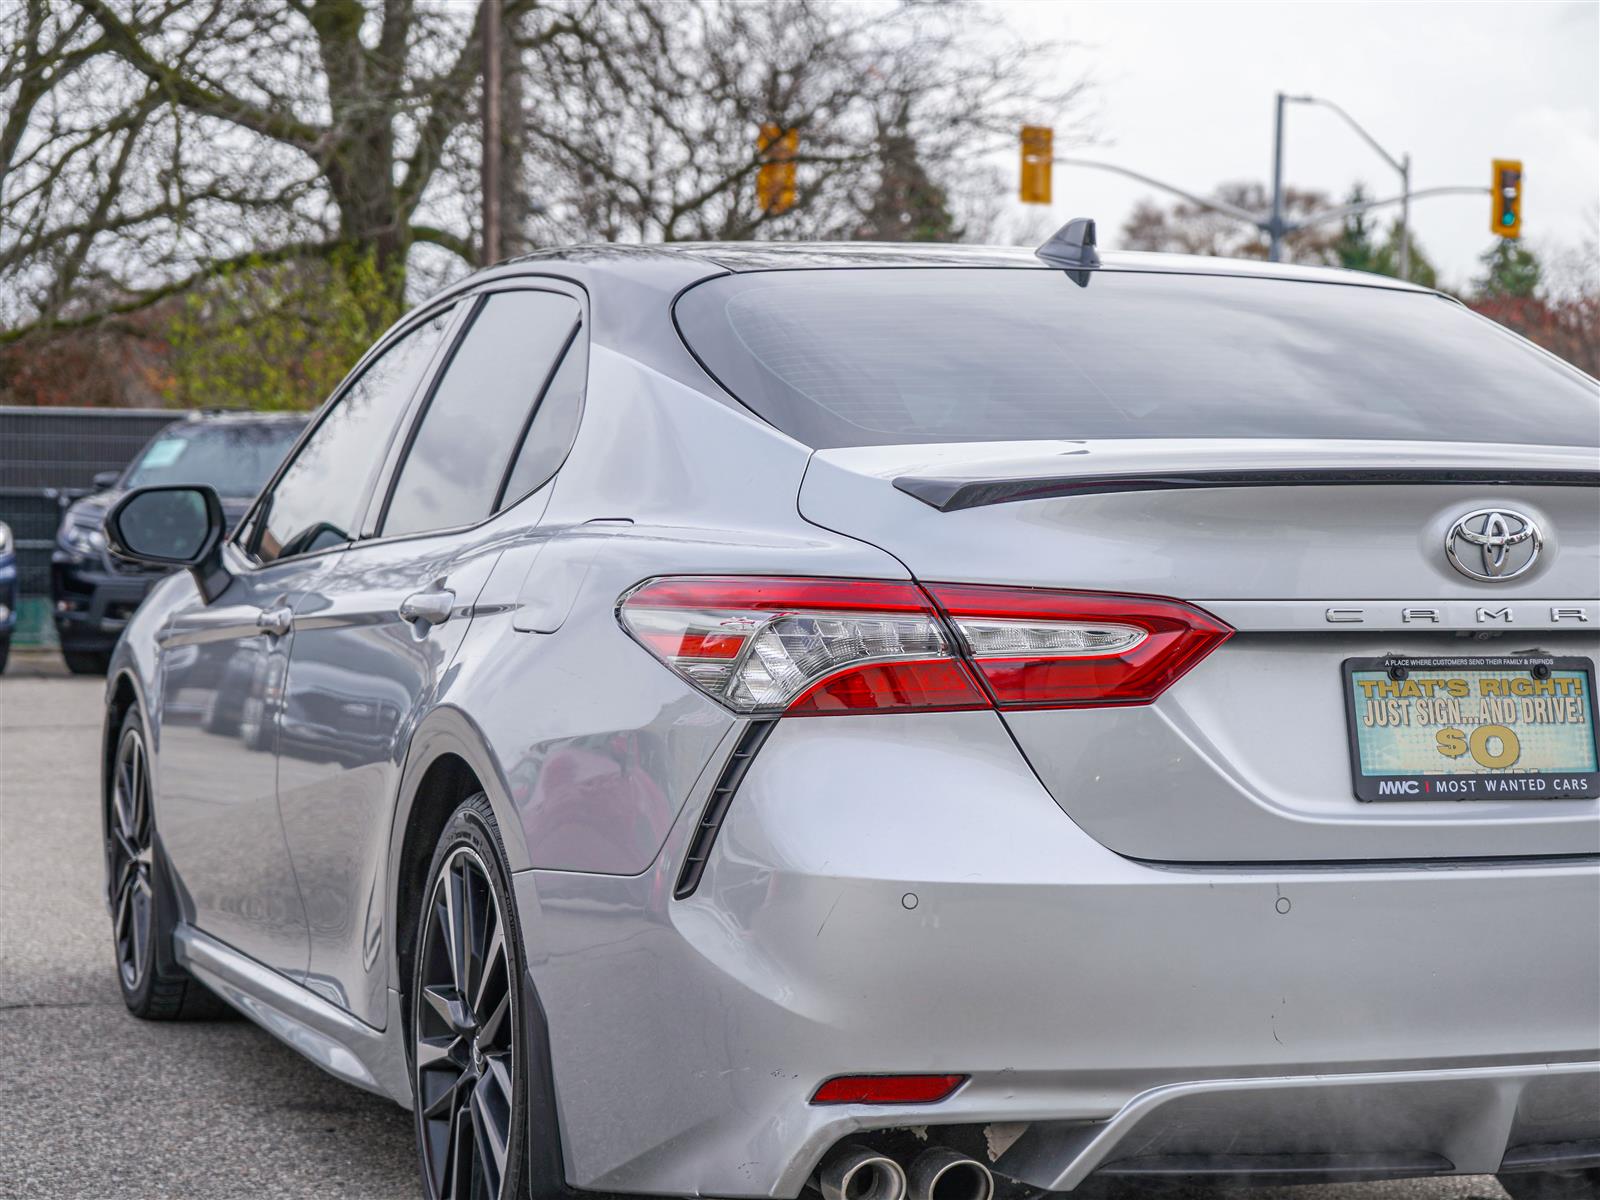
[
  {"x": 799, "y": 646},
  {"x": 1047, "y": 649},
  {"x": 779, "y": 645}
]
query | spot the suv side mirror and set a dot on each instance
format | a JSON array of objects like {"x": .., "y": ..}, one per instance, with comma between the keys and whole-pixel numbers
[
  {"x": 105, "y": 480},
  {"x": 172, "y": 526}
]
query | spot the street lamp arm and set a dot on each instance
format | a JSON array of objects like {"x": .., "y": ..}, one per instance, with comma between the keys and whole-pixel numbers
[
  {"x": 1350, "y": 210},
  {"x": 1351, "y": 121},
  {"x": 1221, "y": 206}
]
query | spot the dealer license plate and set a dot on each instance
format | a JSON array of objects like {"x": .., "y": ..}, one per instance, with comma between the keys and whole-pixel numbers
[{"x": 1483, "y": 728}]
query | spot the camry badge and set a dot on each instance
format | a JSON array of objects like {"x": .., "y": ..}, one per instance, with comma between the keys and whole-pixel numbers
[{"x": 1492, "y": 545}]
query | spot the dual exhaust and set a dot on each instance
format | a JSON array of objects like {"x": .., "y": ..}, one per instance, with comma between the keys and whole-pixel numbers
[{"x": 856, "y": 1172}]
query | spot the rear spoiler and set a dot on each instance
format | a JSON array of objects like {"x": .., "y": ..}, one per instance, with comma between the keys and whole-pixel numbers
[{"x": 948, "y": 495}]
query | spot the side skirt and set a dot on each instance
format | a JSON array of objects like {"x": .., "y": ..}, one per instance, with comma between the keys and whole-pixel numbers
[{"x": 341, "y": 1045}]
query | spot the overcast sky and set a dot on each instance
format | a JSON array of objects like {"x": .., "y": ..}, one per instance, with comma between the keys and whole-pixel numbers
[{"x": 1185, "y": 93}]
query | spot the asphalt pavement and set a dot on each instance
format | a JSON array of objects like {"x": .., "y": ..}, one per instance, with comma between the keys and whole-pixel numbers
[{"x": 94, "y": 1103}]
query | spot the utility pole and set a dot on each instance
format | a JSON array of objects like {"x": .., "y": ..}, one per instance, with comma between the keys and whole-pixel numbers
[
  {"x": 490, "y": 12},
  {"x": 1275, "y": 221}
]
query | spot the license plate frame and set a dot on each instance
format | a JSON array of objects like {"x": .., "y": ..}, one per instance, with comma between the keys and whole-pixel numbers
[{"x": 1483, "y": 784}]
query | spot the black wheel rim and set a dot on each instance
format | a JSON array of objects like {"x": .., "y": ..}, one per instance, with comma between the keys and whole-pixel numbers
[
  {"x": 129, "y": 858},
  {"x": 465, "y": 1018}
]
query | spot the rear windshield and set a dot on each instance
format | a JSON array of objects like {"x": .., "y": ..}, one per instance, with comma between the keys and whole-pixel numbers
[
  {"x": 237, "y": 459},
  {"x": 892, "y": 356}
]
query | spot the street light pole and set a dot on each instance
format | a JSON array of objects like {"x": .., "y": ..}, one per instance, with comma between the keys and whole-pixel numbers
[
  {"x": 1402, "y": 166},
  {"x": 1275, "y": 222}
]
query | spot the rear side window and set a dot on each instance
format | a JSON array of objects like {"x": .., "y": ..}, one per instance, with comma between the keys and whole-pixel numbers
[
  {"x": 459, "y": 457},
  {"x": 894, "y": 356},
  {"x": 553, "y": 427}
]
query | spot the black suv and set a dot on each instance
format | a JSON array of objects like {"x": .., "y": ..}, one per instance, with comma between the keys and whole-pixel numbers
[{"x": 95, "y": 594}]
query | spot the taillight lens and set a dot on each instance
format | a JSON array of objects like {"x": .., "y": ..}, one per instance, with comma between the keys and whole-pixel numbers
[
  {"x": 767, "y": 645},
  {"x": 1036, "y": 648},
  {"x": 803, "y": 646}
]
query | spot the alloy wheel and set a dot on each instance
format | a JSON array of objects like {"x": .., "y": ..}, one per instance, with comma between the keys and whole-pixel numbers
[
  {"x": 465, "y": 1034},
  {"x": 129, "y": 858}
]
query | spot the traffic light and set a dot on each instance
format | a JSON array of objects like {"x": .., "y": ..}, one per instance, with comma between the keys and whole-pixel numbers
[
  {"x": 775, "y": 179},
  {"x": 1505, "y": 214},
  {"x": 1038, "y": 149}
]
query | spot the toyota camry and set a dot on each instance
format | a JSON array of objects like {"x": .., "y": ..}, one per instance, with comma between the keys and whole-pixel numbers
[{"x": 906, "y": 722}]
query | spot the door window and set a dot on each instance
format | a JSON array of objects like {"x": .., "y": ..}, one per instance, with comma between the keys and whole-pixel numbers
[
  {"x": 317, "y": 502},
  {"x": 457, "y": 462}
]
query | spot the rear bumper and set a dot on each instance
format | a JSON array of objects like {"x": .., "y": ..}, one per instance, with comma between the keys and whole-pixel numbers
[{"x": 900, "y": 894}]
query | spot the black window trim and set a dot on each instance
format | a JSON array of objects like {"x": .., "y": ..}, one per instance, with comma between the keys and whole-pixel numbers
[
  {"x": 419, "y": 410},
  {"x": 246, "y": 535}
]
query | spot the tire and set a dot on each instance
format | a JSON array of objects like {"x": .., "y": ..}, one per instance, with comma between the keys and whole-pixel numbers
[
  {"x": 87, "y": 662},
  {"x": 468, "y": 1037},
  {"x": 143, "y": 909},
  {"x": 5, "y": 652},
  {"x": 1551, "y": 1185}
]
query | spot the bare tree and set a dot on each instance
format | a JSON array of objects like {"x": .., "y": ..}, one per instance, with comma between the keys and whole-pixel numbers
[
  {"x": 158, "y": 149},
  {"x": 151, "y": 144},
  {"x": 649, "y": 129}
]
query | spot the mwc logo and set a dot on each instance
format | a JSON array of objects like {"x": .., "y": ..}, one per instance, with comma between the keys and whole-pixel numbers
[{"x": 1398, "y": 787}]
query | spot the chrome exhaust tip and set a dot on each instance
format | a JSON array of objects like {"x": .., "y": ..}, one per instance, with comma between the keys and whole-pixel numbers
[
  {"x": 940, "y": 1173},
  {"x": 860, "y": 1173}
]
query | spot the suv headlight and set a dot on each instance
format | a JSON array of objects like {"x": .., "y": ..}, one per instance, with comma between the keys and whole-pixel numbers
[{"x": 80, "y": 537}]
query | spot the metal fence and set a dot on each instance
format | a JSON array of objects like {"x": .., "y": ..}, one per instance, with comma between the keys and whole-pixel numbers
[{"x": 48, "y": 458}]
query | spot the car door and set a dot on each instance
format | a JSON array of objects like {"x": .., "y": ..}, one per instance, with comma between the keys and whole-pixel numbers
[
  {"x": 371, "y": 648},
  {"x": 223, "y": 665}
]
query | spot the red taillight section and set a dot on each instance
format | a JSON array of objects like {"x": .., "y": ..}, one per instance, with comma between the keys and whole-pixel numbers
[
  {"x": 1037, "y": 648},
  {"x": 806, "y": 647},
  {"x": 893, "y": 687},
  {"x": 811, "y": 647},
  {"x": 888, "y": 1089}
]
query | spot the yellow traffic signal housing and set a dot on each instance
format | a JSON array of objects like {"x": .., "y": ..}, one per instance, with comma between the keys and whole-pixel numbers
[
  {"x": 1505, "y": 213},
  {"x": 1038, "y": 151},
  {"x": 775, "y": 179}
]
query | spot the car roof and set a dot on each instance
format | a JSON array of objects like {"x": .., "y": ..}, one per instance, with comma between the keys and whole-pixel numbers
[{"x": 779, "y": 256}]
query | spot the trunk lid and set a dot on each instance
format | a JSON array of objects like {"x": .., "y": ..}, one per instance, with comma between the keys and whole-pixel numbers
[{"x": 1316, "y": 552}]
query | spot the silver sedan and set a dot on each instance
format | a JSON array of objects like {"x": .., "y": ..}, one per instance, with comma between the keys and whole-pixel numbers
[{"x": 718, "y": 720}]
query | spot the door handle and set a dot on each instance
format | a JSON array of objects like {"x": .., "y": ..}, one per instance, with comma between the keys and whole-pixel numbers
[
  {"x": 275, "y": 622},
  {"x": 428, "y": 608}
]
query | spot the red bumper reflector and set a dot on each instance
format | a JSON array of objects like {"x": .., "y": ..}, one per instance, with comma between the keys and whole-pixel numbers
[{"x": 888, "y": 1089}]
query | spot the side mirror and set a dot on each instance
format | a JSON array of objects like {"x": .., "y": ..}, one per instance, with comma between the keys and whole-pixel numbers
[
  {"x": 105, "y": 480},
  {"x": 172, "y": 526}
]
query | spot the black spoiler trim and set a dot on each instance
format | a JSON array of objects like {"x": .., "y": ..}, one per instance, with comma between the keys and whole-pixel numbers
[{"x": 948, "y": 495}]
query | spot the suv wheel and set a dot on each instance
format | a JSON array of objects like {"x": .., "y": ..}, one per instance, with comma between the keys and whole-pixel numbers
[
  {"x": 468, "y": 1045},
  {"x": 143, "y": 914},
  {"x": 1551, "y": 1185}
]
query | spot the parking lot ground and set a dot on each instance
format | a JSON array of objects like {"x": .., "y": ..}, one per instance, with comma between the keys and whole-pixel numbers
[{"x": 95, "y": 1104}]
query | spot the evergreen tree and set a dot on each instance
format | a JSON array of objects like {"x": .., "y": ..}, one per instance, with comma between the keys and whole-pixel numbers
[
  {"x": 1511, "y": 271},
  {"x": 1386, "y": 259},
  {"x": 1357, "y": 250},
  {"x": 907, "y": 205},
  {"x": 1354, "y": 248}
]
